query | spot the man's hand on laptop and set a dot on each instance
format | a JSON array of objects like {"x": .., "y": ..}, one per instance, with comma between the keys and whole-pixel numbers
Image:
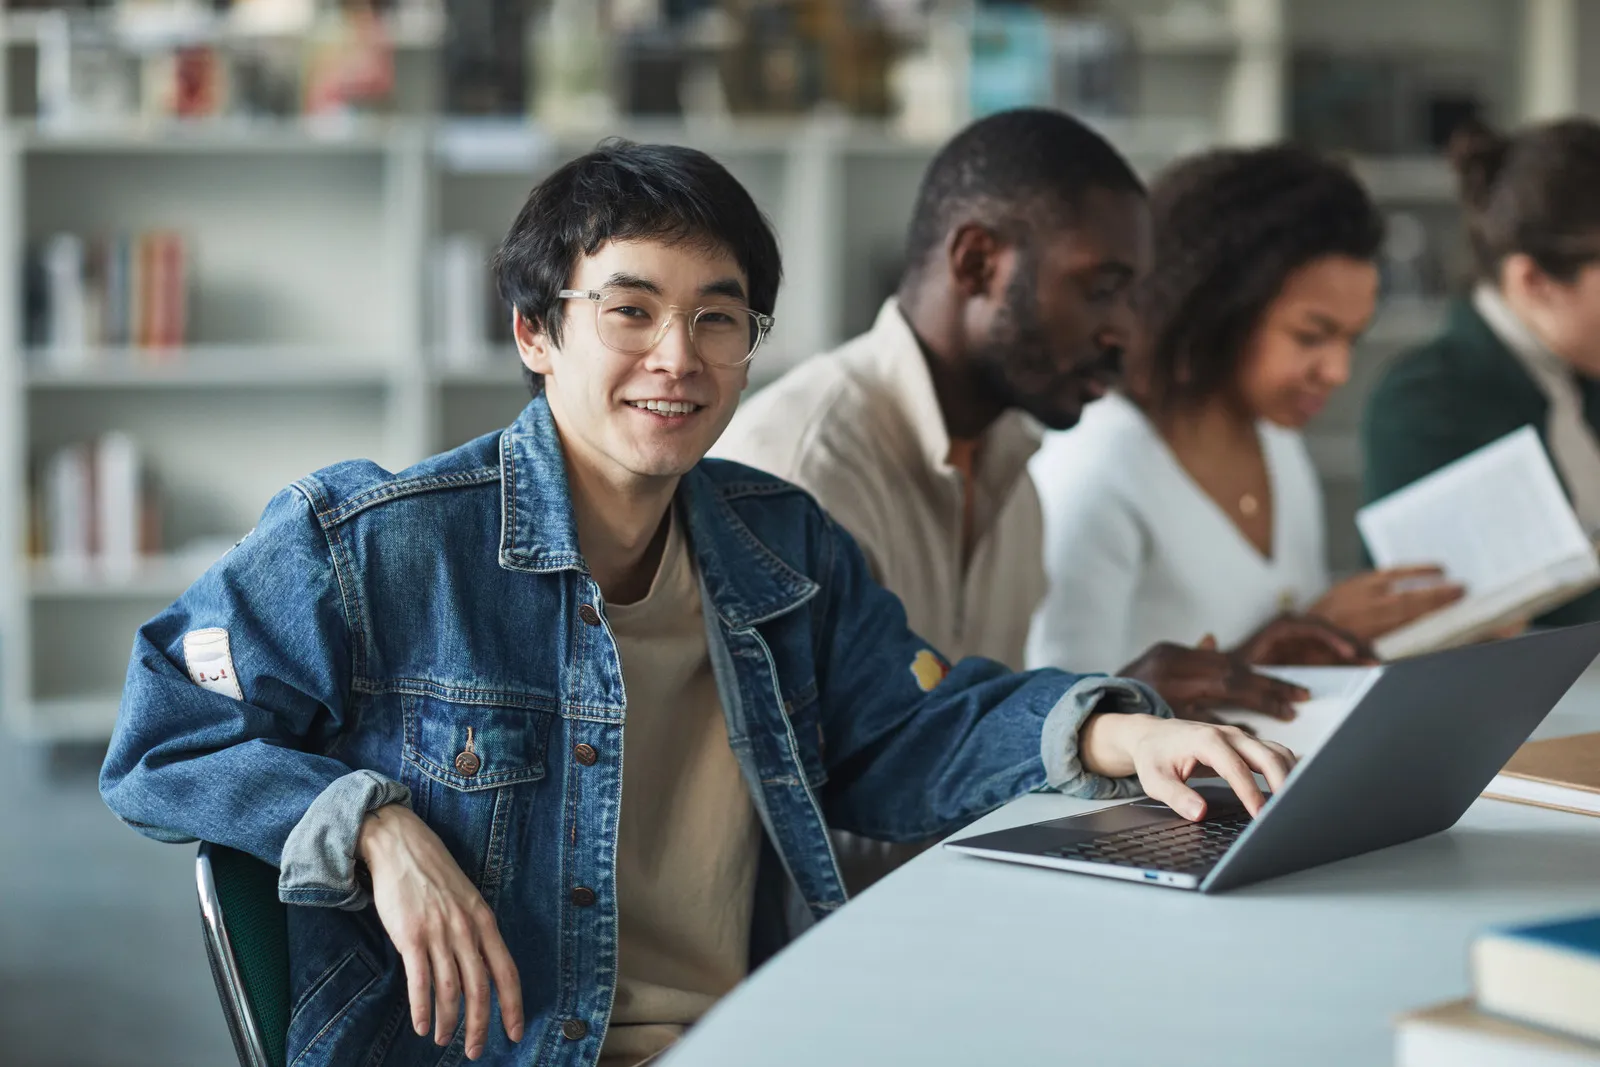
[
  {"x": 446, "y": 934},
  {"x": 1195, "y": 682},
  {"x": 1166, "y": 753}
]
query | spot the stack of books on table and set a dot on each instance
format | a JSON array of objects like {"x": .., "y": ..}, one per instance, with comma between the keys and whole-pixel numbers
[{"x": 1536, "y": 1003}]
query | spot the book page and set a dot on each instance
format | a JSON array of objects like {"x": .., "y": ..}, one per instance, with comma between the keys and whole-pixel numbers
[
  {"x": 1543, "y": 794},
  {"x": 1335, "y": 691},
  {"x": 1491, "y": 519}
]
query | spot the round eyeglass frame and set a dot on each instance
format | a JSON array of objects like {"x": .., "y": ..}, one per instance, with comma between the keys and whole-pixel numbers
[{"x": 764, "y": 325}]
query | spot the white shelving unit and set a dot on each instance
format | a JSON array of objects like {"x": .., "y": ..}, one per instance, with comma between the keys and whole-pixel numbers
[{"x": 311, "y": 337}]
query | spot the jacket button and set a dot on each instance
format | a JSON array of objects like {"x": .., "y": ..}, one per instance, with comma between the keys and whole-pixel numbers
[
  {"x": 574, "y": 1029},
  {"x": 583, "y": 896},
  {"x": 589, "y": 615},
  {"x": 586, "y": 755},
  {"x": 468, "y": 763}
]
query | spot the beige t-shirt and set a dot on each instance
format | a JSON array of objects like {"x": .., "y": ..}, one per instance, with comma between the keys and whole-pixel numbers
[{"x": 688, "y": 839}]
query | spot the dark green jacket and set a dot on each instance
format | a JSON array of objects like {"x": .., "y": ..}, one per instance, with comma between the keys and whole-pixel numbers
[{"x": 1453, "y": 395}]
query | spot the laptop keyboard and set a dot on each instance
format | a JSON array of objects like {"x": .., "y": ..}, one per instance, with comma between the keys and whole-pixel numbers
[{"x": 1182, "y": 847}]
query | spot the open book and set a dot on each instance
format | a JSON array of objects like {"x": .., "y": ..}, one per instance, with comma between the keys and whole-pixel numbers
[{"x": 1498, "y": 522}]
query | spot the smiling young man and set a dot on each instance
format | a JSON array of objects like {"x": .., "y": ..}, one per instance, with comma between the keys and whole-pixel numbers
[{"x": 546, "y": 727}]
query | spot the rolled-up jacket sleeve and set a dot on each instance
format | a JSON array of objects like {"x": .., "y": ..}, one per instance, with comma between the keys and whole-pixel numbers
[
  {"x": 234, "y": 747},
  {"x": 1058, "y": 743}
]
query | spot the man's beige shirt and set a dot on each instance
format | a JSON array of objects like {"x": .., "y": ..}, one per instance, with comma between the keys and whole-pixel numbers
[{"x": 860, "y": 428}]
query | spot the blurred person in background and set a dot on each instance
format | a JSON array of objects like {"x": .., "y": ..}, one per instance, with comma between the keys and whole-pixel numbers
[
  {"x": 1185, "y": 507},
  {"x": 1524, "y": 348},
  {"x": 1027, "y": 234},
  {"x": 412, "y": 693}
]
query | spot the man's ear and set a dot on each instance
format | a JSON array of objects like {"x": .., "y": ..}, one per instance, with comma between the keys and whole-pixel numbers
[
  {"x": 533, "y": 344},
  {"x": 973, "y": 253}
]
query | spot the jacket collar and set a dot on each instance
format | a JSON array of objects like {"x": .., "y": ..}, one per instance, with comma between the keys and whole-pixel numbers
[{"x": 745, "y": 581}]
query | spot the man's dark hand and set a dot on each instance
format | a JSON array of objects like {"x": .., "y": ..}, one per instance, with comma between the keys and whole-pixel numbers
[
  {"x": 1196, "y": 681},
  {"x": 1304, "y": 640}
]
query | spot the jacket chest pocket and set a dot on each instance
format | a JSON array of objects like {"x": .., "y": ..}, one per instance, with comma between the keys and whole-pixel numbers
[{"x": 465, "y": 764}]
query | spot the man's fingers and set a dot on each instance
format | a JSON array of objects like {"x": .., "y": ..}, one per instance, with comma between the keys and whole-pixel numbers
[
  {"x": 1161, "y": 784},
  {"x": 446, "y": 992},
  {"x": 475, "y": 990},
  {"x": 1250, "y": 691},
  {"x": 507, "y": 983},
  {"x": 1274, "y": 696},
  {"x": 1271, "y": 759},
  {"x": 1227, "y": 762},
  {"x": 419, "y": 981}
]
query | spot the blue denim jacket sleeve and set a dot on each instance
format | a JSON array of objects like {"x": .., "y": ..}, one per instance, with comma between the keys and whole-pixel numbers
[
  {"x": 913, "y": 754},
  {"x": 190, "y": 762}
]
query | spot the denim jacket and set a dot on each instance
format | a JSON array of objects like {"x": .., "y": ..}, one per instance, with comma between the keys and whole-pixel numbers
[{"x": 435, "y": 638}]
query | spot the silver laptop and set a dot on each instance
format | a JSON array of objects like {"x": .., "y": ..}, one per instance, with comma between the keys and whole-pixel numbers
[{"x": 1415, "y": 752}]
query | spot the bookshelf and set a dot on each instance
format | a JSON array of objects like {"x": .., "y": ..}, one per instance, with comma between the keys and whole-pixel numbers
[{"x": 312, "y": 334}]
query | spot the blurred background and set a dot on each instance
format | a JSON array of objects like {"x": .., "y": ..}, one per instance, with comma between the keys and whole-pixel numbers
[{"x": 240, "y": 240}]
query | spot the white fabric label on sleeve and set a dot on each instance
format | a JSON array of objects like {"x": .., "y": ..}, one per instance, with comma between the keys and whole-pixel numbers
[{"x": 210, "y": 662}]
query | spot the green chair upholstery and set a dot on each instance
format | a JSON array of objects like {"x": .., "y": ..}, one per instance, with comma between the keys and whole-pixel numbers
[{"x": 246, "y": 932}]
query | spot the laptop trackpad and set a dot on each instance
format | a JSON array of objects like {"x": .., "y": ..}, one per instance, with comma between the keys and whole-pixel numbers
[{"x": 1220, "y": 801}]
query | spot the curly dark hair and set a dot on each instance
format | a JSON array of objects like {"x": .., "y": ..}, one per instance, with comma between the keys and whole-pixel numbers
[
  {"x": 1536, "y": 191},
  {"x": 626, "y": 191},
  {"x": 1230, "y": 227}
]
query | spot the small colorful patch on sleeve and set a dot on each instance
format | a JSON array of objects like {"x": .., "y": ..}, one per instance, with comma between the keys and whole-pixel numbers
[{"x": 929, "y": 669}]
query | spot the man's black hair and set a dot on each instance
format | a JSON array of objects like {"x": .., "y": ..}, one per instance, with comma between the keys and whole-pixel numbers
[
  {"x": 626, "y": 191},
  {"x": 1016, "y": 171}
]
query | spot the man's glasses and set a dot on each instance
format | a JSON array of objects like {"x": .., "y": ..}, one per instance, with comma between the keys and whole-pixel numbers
[{"x": 634, "y": 322}]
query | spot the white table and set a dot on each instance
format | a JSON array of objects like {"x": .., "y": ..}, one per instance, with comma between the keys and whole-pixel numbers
[{"x": 962, "y": 961}]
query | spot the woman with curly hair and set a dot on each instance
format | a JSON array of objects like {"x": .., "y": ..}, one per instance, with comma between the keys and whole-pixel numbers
[
  {"x": 1185, "y": 506},
  {"x": 1524, "y": 348}
]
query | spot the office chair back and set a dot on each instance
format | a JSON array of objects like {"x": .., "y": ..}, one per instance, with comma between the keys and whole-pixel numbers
[{"x": 247, "y": 941}]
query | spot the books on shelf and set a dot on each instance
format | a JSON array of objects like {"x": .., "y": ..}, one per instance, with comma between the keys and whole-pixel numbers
[
  {"x": 182, "y": 62},
  {"x": 93, "y": 509},
  {"x": 1561, "y": 773},
  {"x": 1546, "y": 975},
  {"x": 124, "y": 290},
  {"x": 1498, "y": 522}
]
